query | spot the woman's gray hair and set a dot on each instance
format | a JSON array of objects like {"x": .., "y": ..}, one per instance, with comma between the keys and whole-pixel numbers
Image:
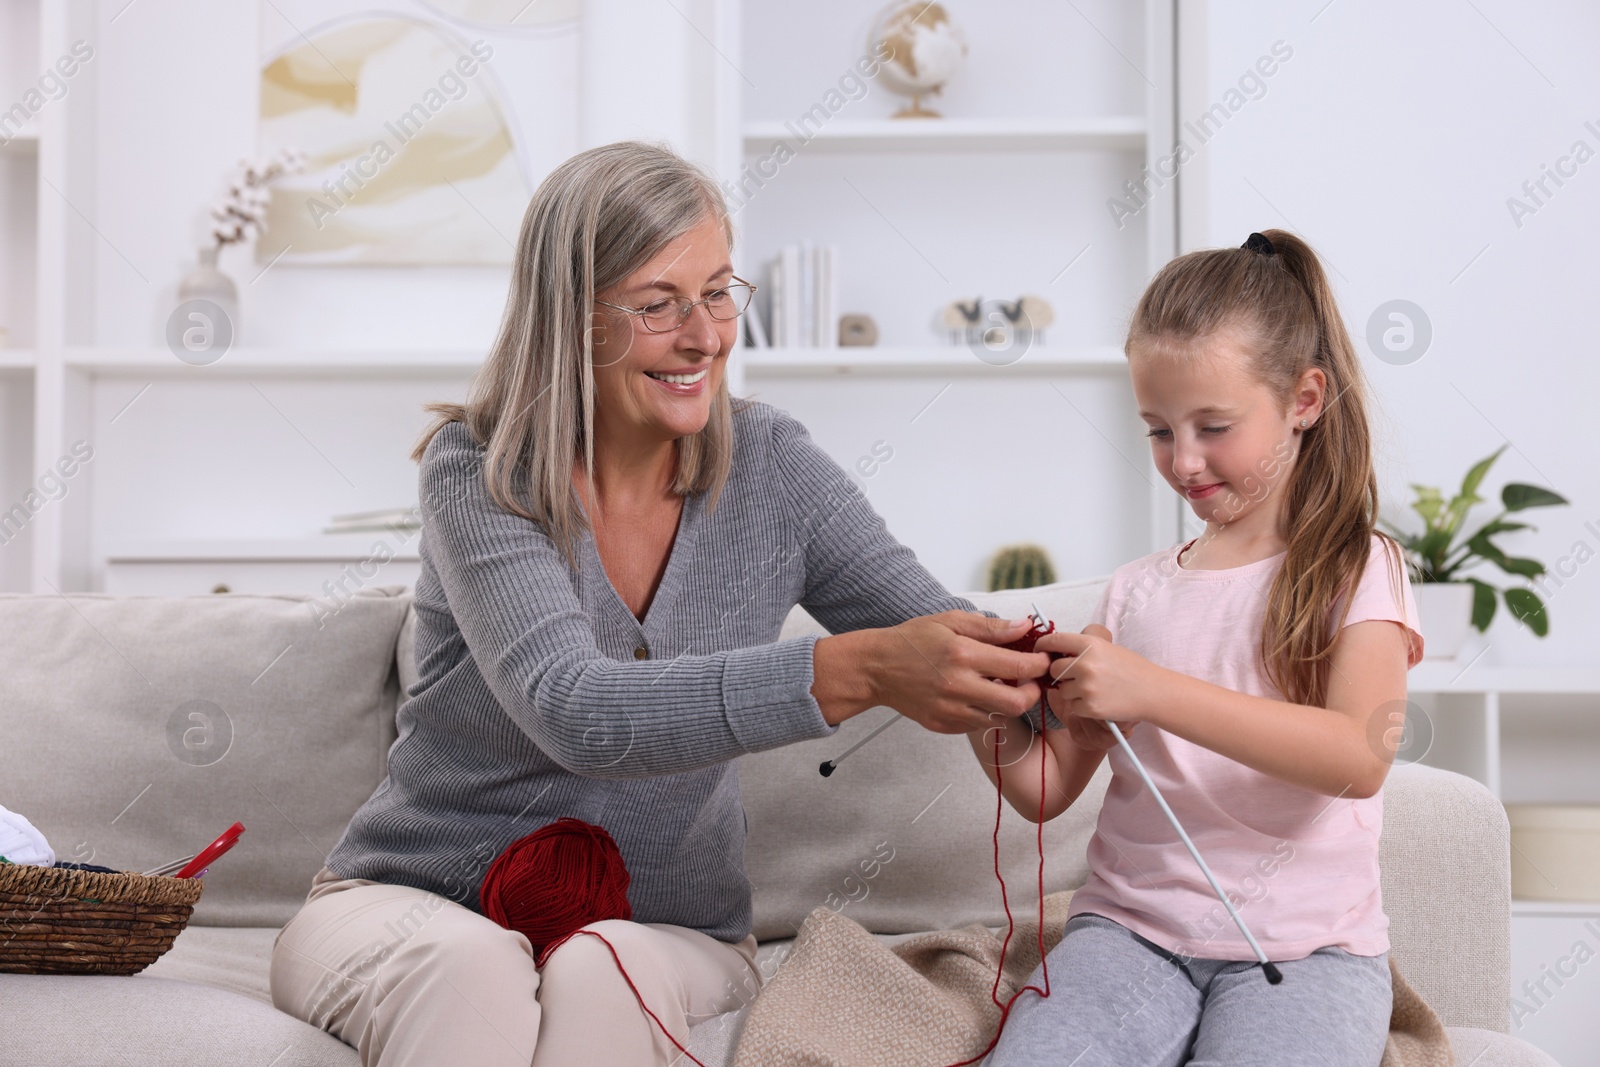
[{"x": 593, "y": 221}]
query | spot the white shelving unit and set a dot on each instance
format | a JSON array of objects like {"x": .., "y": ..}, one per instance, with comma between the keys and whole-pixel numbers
[
  {"x": 1004, "y": 195},
  {"x": 1493, "y": 724},
  {"x": 331, "y": 565}
]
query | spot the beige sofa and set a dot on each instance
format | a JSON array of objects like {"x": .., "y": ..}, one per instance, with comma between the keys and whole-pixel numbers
[{"x": 136, "y": 729}]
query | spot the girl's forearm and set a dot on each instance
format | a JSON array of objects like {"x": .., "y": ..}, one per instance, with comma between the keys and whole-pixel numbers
[
  {"x": 1066, "y": 767},
  {"x": 1320, "y": 749}
]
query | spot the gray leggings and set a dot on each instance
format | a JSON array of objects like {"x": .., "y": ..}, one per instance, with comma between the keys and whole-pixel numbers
[{"x": 1117, "y": 999}]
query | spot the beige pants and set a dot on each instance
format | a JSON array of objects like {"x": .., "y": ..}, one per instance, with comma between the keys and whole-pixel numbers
[{"x": 410, "y": 978}]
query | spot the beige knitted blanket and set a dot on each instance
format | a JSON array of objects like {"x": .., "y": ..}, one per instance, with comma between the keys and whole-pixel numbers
[{"x": 845, "y": 999}]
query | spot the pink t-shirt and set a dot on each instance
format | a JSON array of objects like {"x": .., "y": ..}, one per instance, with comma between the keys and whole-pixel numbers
[{"x": 1301, "y": 867}]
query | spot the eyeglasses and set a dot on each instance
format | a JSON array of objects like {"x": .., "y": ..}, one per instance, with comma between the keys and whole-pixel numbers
[{"x": 664, "y": 316}]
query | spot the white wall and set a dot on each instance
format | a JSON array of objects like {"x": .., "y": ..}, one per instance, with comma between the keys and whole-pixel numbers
[{"x": 1392, "y": 139}]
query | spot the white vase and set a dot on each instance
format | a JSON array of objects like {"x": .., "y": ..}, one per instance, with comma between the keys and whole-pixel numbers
[
  {"x": 207, "y": 282},
  {"x": 1446, "y": 613}
]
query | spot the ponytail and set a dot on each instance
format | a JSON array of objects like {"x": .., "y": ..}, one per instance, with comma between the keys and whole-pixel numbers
[{"x": 1275, "y": 293}]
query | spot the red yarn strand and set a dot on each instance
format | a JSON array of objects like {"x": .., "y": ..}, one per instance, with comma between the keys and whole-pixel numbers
[
  {"x": 626, "y": 978},
  {"x": 1044, "y": 963}
]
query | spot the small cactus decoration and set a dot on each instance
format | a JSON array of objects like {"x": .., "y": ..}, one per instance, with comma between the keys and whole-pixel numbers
[{"x": 1020, "y": 567}]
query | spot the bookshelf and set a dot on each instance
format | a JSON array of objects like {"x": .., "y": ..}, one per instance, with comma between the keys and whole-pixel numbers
[{"x": 1003, "y": 196}]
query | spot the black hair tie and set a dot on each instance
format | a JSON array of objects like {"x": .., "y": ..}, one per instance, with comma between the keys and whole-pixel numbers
[{"x": 1259, "y": 244}]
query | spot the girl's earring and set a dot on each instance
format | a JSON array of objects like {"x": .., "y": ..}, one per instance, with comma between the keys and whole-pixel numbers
[{"x": 1302, "y": 424}]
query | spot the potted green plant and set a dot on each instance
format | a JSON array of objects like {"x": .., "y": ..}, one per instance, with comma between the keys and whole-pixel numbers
[
  {"x": 1449, "y": 600},
  {"x": 1020, "y": 567}
]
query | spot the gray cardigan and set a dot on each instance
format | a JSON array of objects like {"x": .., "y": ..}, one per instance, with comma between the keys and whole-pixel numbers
[{"x": 540, "y": 695}]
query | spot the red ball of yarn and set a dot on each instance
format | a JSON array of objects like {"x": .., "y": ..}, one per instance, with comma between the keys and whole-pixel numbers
[{"x": 555, "y": 881}]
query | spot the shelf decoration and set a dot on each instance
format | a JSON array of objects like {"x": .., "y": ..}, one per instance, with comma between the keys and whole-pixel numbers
[
  {"x": 997, "y": 325},
  {"x": 857, "y": 331},
  {"x": 1441, "y": 552},
  {"x": 240, "y": 215},
  {"x": 923, "y": 51}
]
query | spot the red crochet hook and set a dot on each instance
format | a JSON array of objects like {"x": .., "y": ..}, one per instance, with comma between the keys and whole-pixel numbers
[{"x": 197, "y": 866}]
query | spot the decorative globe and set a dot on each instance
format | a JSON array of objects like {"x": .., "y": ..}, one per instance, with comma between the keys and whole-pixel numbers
[{"x": 924, "y": 49}]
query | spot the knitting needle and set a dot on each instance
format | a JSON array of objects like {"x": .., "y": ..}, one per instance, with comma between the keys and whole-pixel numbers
[
  {"x": 832, "y": 765},
  {"x": 170, "y": 868},
  {"x": 1274, "y": 976},
  {"x": 1270, "y": 969}
]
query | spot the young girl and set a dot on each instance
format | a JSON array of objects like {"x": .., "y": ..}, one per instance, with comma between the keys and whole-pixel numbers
[{"x": 1259, "y": 671}]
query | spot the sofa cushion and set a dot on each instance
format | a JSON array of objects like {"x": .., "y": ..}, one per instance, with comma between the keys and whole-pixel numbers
[
  {"x": 900, "y": 838},
  {"x": 139, "y": 728},
  {"x": 235, "y": 958},
  {"x": 72, "y": 1019}
]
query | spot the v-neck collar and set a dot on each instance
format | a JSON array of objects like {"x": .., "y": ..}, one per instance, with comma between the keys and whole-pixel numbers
[{"x": 683, "y": 543}]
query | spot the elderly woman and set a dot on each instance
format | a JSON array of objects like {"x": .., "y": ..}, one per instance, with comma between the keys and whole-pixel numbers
[{"x": 610, "y": 547}]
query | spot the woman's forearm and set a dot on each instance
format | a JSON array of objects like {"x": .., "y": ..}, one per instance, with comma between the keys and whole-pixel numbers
[{"x": 841, "y": 670}]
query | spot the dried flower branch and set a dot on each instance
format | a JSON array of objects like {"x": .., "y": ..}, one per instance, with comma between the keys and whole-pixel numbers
[{"x": 241, "y": 213}]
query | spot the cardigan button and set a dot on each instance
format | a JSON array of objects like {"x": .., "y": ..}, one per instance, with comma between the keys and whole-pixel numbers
[{"x": 640, "y": 653}]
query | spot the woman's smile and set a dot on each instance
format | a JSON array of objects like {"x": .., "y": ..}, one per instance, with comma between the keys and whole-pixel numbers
[{"x": 689, "y": 383}]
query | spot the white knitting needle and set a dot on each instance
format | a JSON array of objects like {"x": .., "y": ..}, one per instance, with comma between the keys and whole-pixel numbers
[{"x": 1270, "y": 969}]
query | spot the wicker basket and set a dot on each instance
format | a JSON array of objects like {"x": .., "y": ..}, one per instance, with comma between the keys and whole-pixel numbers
[{"x": 62, "y": 921}]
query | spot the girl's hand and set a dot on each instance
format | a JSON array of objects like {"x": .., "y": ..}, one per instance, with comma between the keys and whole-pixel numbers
[
  {"x": 1091, "y": 735},
  {"x": 1100, "y": 680}
]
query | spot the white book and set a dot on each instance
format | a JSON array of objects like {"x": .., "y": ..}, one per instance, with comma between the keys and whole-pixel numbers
[
  {"x": 808, "y": 295},
  {"x": 779, "y": 321},
  {"x": 754, "y": 326},
  {"x": 832, "y": 295},
  {"x": 819, "y": 296},
  {"x": 791, "y": 296},
  {"x": 827, "y": 310}
]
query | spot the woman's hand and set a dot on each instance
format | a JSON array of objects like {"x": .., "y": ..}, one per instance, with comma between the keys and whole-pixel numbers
[
  {"x": 939, "y": 670},
  {"x": 1099, "y": 682}
]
